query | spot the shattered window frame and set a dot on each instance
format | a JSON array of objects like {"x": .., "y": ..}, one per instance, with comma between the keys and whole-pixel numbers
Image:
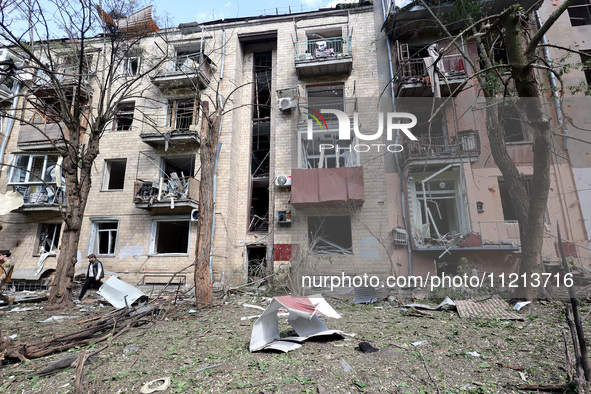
[
  {"x": 48, "y": 236},
  {"x": 330, "y": 235},
  {"x": 111, "y": 183},
  {"x": 124, "y": 116},
  {"x": 155, "y": 229}
]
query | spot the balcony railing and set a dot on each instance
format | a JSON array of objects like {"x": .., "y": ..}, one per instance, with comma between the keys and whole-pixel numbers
[
  {"x": 323, "y": 57},
  {"x": 41, "y": 194},
  {"x": 464, "y": 144},
  {"x": 415, "y": 71},
  {"x": 154, "y": 193},
  {"x": 323, "y": 49},
  {"x": 182, "y": 128},
  {"x": 184, "y": 71}
]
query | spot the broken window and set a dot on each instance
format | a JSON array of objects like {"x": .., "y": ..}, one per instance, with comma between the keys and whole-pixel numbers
[
  {"x": 257, "y": 261},
  {"x": 260, "y": 143},
  {"x": 48, "y": 238},
  {"x": 131, "y": 66},
  {"x": 330, "y": 234},
  {"x": 579, "y": 13},
  {"x": 34, "y": 176},
  {"x": 512, "y": 121},
  {"x": 170, "y": 236},
  {"x": 586, "y": 61},
  {"x": 326, "y": 150},
  {"x": 181, "y": 166},
  {"x": 187, "y": 59},
  {"x": 124, "y": 116},
  {"x": 114, "y": 174},
  {"x": 182, "y": 113}
]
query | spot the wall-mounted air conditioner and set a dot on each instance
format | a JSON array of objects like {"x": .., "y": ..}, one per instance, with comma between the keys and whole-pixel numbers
[
  {"x": 283, "y": 181},
  {"x": 283, "y": 217},
  {"x": 287, "y": 99},
  {"x": 286, "y": 104}
]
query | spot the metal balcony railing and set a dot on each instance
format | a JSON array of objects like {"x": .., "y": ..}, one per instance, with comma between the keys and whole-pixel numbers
[
  {"x": 323, "y": 49},
  {"x": 159, "y": 124},
  {"x": 183, "y": 65},
  {"x": 415, "y": 70},
  {"x": 183, "y": 188},
  {"x": 36, "y": 194},
  {"x": 464, "y": 144}
]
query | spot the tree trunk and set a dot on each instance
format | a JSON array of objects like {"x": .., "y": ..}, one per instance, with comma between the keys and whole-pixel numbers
[
  {"x": 208, "y": 151},
  {"x": 532, "y": 231},
  {"x": 60, "y": 289}
]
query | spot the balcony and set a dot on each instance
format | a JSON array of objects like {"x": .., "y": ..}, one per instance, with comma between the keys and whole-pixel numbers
[
  {"x": 157, "y": 131},
  {"x": 327, "y": 187},
  {"x": 442, "y": 150},
  {"x": 183, "y": 72},
  {"x": 332, "y": 56},
  {"x": 493, "y": 235},
  {"x": 175, "y": 192},
  {"x": 42, "y": 133},
  {"x": 41, "y": 197},
  {"x": 416, "y": 79},
  {"x": 67, "y": 76}
]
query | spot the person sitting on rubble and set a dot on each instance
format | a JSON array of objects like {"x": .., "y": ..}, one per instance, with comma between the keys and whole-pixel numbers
[
  {"x": 94, "y": 274},
  {"x": 6, "y": 268}
]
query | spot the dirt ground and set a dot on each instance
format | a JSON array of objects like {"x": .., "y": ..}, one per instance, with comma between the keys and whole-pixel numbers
[{"x": 207, "y": 351}]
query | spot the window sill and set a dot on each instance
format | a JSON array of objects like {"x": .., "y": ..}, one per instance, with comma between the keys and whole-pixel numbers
[
  {"x": 113, "y": 190},
  {"x": 519, "y": 143},
  {"x": 168, "y": 254}
]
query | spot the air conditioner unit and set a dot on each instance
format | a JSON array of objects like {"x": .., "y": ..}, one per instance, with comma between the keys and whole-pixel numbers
[
  {"x": 195, "y": 215},
  {"x": 283, "y": 180},
  {"x": 286, "y": 104},
  {"x": 283, "y": 217}
]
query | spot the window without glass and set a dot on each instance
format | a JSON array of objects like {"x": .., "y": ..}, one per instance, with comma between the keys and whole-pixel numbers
[
  {"x": 114, "y": 174},
  {"x": 34, "y": 176},
  {"x": 330, "y": 234},
  {"x": 131, "y": 66},
  {"x": 579, "y": 13},
  {"x": 48, "y": 237},
  {"x": 182, "y": 113},
  {"x": 170, "y": 236},
  {"x": 512, "y": 120},
  {"x": 124, "y": 116}
]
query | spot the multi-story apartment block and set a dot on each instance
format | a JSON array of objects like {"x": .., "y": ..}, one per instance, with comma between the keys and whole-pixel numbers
[{"x": 291, "y": 194}]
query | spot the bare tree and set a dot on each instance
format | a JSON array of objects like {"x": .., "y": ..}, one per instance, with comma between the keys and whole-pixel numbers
[{"x": 77, "y": 60}]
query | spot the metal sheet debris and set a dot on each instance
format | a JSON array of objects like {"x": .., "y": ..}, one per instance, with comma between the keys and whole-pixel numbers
[
  {"x": 365, "y": 295},
  {"x": 116, "y": 292},
  {"x": 10, "y": 201},
  {"x": 446, "y": 303},
  {"x": 303, "y": 317},
  {"x": 520, "y": 305},
  {"x": 492, "y": 307}
]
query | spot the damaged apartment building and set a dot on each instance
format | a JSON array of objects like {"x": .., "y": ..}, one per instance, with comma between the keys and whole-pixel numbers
[
  {"x": 458, "y": 206},
  {"x": 291, "y": 194}
]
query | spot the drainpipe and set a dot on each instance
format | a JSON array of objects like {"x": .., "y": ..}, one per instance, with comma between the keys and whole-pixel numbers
[
  {"x": 398, "y": 167},
  {"x": 10, "y": 123},
  {"x": 215, "y": 186},
  {"x": 552, "y": 78}
]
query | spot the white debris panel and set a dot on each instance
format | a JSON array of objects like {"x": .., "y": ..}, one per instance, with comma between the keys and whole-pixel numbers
[
  {"x": 303, "y": 317},
  {"x": 117, "y": 292}
]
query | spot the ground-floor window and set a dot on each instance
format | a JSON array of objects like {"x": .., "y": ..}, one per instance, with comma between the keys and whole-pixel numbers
[
  {"x": 330, "y": 234},
  {"x": 170, "y": 236}
]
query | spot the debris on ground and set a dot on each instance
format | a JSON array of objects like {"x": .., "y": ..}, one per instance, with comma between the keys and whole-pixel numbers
[
  {"x": 490, "y": 307},
  {"x": 119, "y": 293},
  {"x": 303, "y": 317},
  {"x": 365, "y": 295},
  {"x": 446, "y": 304}
]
